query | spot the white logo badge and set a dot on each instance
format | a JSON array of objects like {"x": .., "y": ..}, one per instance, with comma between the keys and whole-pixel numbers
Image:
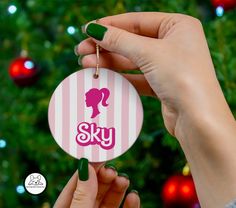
[{"x": 35, "y": 183}]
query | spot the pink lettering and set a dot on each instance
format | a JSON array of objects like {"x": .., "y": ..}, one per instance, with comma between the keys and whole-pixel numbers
[{"x": 91, "y": 134}]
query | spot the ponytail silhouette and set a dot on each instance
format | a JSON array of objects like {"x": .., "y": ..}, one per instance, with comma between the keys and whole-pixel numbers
[
  {"x": 94, "y": 96},
  {"x": 106, "y": 94}
]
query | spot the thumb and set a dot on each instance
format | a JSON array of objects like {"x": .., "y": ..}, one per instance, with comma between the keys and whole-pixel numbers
[
  {"x": 117, "y": 40},
  {"x": 86, "y": 190}
]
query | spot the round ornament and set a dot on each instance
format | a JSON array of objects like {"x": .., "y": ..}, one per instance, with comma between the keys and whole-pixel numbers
[
  {"x": 23, "y": 71},
  {"x": 95, "y": 118},
  {"x": 179, "y": 191}
]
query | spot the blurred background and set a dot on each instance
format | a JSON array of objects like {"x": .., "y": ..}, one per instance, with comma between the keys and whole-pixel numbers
[{"x": 46, "y": 32}]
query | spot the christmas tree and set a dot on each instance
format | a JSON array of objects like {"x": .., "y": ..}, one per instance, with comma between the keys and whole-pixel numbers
[{"x": 47, "y": 32}]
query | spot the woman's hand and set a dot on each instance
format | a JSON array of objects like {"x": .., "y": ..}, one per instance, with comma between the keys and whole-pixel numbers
[
  {"x": 170, "y": 50},
  {"x": 104, "y": 188},
  {"x": 172, "y": 53}
]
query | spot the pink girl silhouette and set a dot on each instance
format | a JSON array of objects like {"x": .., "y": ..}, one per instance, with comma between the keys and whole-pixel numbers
[{"x": 94, "y": 96}]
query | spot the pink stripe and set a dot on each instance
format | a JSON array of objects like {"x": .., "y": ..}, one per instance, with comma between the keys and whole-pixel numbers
[
  {"x": 65, "y": 115},
  {"x": 139, "y": 115},
  {"x": 81, "y": 106},
  {"x": 51, "y": 115},
  {"x": 125, "y": 116},
  {"x": 110, "y": 109},
  {"x": 95, "y": 148}
]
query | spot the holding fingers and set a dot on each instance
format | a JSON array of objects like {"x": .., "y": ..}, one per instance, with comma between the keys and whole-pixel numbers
[{"x": 101, "y": 187}]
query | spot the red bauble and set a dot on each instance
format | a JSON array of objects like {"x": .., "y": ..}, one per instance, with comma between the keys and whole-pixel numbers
[
  {"x": 226, "y": 4},
  {"x": 179, "y": 192},
  {"x": 23, "y": 71}
]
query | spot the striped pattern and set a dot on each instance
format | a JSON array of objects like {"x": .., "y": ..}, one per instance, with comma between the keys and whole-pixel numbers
[{"x": 67, "y": 108}]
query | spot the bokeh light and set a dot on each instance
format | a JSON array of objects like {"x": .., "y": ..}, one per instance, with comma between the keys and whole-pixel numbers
[
  {"x": 12, "y": 9},
  {"x": 20, "y": 189},
  {"x": 3, "y": 143},
  {"x": 71, "y": 30},
  {"x": 219, "y": 11},
  {"x": 29, "y": 65}
]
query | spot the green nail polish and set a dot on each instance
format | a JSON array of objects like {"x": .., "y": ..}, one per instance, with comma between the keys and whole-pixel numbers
[
  {"x": 96, "y": 31},
  {"x": 134, "y": 191},
  {"x": 83, "y": 169},
  {"x": 123, "y": 175},
  {"x": 109, "y": 166}
]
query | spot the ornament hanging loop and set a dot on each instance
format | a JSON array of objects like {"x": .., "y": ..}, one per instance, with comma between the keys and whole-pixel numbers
[{"x": 96, "y": 74}]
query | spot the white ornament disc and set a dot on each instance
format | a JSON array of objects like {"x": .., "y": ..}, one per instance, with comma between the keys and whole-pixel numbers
[{"x": 98, "y": 119}]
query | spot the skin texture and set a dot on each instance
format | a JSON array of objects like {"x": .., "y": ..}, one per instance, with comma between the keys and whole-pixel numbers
[
  {"x": 103, "y": 189},
  {"x": 172, "y": 53}
]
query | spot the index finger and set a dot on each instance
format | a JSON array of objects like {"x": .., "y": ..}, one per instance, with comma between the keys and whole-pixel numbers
[{"x": 141, "y": 23}]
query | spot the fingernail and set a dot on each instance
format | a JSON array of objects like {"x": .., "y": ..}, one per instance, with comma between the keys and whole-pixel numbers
[
  {"x": 123, "y": 175},
  {"x": 134, "y": 191},
  {"x": 96, "y": 31},
  {"x": 83, "y": 29},
  {"x": 75, "y": 50},
  {"x": 109, "y": 166},
  {"x": 80, "y": 60},
  {"x": 83, "y": 169}
]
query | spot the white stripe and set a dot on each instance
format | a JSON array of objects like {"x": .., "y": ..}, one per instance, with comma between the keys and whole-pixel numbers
[
  {"x": 73, "y": 114},
  {"x": 103, "y": 112},
  {"x": 88, "y": 78},
  {"x": 58, "y": 115},
  {"x": 132, "y": 114},
  {"x": 117, "y": 113}
]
